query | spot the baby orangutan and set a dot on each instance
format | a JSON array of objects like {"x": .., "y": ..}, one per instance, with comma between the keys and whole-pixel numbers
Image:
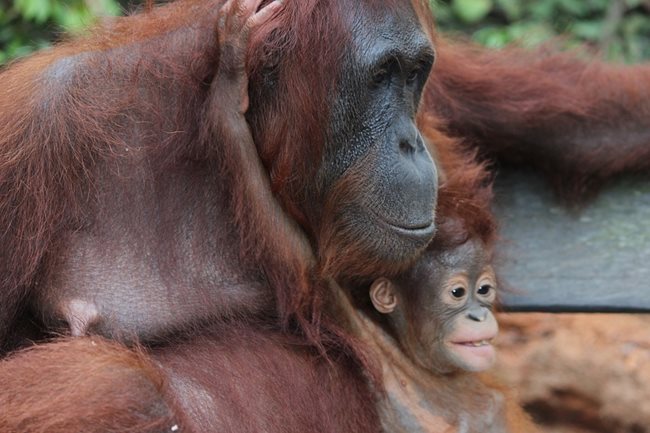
[
  {"x": 441, "y": 311},
  {"x": 431, "y": 331}
]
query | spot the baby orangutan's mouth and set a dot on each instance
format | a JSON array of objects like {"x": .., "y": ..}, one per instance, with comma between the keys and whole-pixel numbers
[
  {"x": 473, "y": 355},
  {"x": 472, "y": 348},
  {"x": 478, "y": 343}
]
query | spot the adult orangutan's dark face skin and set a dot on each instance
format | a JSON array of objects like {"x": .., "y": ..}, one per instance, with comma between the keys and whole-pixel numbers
[{"x": 378, "y": 181}]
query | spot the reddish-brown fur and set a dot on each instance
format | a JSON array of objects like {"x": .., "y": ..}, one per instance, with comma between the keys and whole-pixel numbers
[
  {"x": 228, "y": 380},
  {"x": 494, "y": 100},
  {"x": 465, "y": 192},
  {"x": 45, "y": 196},
  {"x": 580, "y": 122},
  {"x": 89, "y": 385}
]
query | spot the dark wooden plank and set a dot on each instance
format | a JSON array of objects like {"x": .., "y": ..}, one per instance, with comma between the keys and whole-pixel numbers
[{"x": 597, "y": 259}]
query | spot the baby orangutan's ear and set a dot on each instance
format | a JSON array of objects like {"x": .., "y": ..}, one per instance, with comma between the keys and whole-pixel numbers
[{"x": 382, "y": 295}]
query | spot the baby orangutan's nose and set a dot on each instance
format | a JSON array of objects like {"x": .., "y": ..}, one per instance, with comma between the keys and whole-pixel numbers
[{"x": 478, "y": 314}]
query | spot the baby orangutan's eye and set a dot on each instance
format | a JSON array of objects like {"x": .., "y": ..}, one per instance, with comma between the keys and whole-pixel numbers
[
  {"x": 484, "y": 289},
  {"x": 458, "y": 292}
]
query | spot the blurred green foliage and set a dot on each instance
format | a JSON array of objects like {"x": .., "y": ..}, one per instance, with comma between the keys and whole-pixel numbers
[
  {"x": 27, "y": 25},
  {"x": 619, "y": 29}
]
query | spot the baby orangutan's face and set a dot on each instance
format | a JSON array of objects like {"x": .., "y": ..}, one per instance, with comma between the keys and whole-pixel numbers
[{"x": 441, "y": 311}]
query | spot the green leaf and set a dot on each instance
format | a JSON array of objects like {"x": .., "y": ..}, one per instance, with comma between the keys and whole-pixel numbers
[
  {"x": 72, "y": 19},
  {"x": 102, "y": 8},
  {"x": 576, "y": 8},
  {"x": 616, "y": 51},
  {"x": 588, "y": 30},
  {"x": 494, "y": 37},
  {"x": 542, "y": 10},
  {"x": 513, "y": 9},
  {"x": 441, "y": 12},
  {"x": 36, "y": 10},
  {"x": 18, "y": 48},
  {"x": 634, "y": 24},
  {"x": 631, "y": 4},
  {"x": 530, "y": 34},
  {"x": 471, "y": 11}
]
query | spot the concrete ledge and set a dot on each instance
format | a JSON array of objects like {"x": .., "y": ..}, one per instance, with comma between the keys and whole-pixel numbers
[{"x": 559, "y": 260}]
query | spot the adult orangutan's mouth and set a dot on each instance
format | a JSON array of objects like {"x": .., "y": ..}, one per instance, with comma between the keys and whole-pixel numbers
[
  {"x": 426, "y": 228},
  {"x": 410, "y": 230},
  {"x": 418, "y": 231}
]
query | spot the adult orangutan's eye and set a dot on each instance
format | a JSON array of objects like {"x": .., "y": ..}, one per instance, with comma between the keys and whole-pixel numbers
[
  {"x": 381, "y": 76},
  {"x": 413, "y": 75},
  {"x": 383, "y": 73}
]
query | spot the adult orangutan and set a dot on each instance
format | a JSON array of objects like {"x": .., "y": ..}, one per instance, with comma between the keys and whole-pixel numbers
[{"x": 127, "y": 203}]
